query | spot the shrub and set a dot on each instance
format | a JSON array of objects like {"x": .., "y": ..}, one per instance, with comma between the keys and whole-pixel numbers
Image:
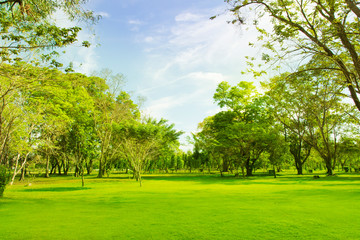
[{"x": 4, "y": 179}]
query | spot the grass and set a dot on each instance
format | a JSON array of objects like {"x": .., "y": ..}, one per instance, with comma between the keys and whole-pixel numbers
[{"x": 181, "y": 206}]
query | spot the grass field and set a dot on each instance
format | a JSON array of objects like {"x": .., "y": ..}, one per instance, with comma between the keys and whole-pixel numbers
[{"x": 183, "y": 207}]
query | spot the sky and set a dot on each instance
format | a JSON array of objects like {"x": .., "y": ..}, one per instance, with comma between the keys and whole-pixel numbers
[{"x": 170, "y": 53}]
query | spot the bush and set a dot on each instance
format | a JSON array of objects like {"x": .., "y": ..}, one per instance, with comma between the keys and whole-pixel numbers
[{"x": 4, "y": 179}]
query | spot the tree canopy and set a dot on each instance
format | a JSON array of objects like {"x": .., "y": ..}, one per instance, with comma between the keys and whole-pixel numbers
[
  {"x": 27, "y": 26},
  {"x": 325, "y": 34}
]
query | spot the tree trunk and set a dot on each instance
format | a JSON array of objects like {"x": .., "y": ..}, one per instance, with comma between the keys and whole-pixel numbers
[
  {"x": 274, "y": 171},
  {"x": 65, "y": 165},
  {"x": 89, "y": 167},
  {"x": 53, "y": 169},
  {"x": 15, "y": 170},
  {"x": 82, "y": 175},
  {"x": 299, "y": 170},
  {"x": 47, "y": 166},
  {"x": 59, "y": 167},
  {"x": 249, "y": 170},
  {"x": 23, "y": 172},
  {"x": 298, "y": 164},
  {"x": 225, "y": 166},
  {"x": 328, "y": 165},
  {"x": 249, "y": 167},
  {"x": 329, "y": 170},
  {"x": 100, "y": 174}
]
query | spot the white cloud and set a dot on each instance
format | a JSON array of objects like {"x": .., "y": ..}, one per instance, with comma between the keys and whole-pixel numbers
[
  {"x": 148, "y": 39},
  {"x": 187, "y": 16},
  {"x": 186, "y": 63},
  {"x": 200, "y": 45},
  {"x": 84, "y": 59},
  {"x": 135, "y": 22},
  {"x": 88, "y": 62},
  {"x": 192, "y": 90}
]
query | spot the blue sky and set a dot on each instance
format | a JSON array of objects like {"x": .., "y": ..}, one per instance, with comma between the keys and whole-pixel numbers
[{"x": 170, "y": 52}]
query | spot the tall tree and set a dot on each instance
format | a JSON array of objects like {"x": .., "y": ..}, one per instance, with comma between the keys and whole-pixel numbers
[
  {"x": 309, "y": 106},
  {"x": 325, "y": 32},
  {"x": 288, "y": 102}
]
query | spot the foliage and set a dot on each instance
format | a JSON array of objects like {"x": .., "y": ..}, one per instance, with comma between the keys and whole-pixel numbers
[
  {"x": 4, "y": 179},
  {"x": 309, "y": 106},
  {"x": 321, "y": 35},
  {"x": 27, "y": 26},
  {"x": 143, "y": 142},
  {"x": 239, "y": 136}
]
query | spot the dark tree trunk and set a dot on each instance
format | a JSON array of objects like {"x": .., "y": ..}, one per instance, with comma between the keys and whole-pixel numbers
[
  {"x": 59, "y": 167},
  {"x": 249, "y": 167},
  {"x": 274, "y": 171},
  {"x": 299, "y": 169},
  {"x": 249, "y": 171},
  {"x": 329, "y": 169},
  {"x": 100, "y": 174},
  {"x": 225, "y": 166},
  {"x": 22, "y": 175},
  {"x": 53, "y": 169},
  {"x": 89, "y": 167}
]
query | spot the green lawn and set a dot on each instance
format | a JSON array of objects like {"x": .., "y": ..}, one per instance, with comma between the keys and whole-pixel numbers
[{"x": 183, "y": 207}]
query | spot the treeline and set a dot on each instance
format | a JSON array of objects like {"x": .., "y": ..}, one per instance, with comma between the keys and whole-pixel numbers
[
  {"x": 300, "y": 119},
  {"x": 63, "y": 122}
]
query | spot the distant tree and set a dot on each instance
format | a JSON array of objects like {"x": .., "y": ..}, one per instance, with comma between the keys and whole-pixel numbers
[
  {"x": 286, "y": 99},
  {"x": 310, "y": 106},
  {"x": 348, "y": 152},
  {"x": 142, "y": 142},
  {"x": 111, "y": 111},
  {"x": 179, "y": 162},
  {"x": 251, "y": 127},
  {"x": 239, "y": 136},
  {"x": 277, "y": 149}
]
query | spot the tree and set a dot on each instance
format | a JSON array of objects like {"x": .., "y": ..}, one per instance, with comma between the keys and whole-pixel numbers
[
  {"x": 286, "y": 98},
  {"x": 81, "y": 132},
  {"x": 4, "y": 179},
  {"x": 22, "y": 107},
  {"x": 142, "y": 142},
  {"x": 310, "y": 108},
  {"x": 348, "y": 152},
  {"x": 27, "y": 26},
  {"x": 324, "y": 33},
  {"x": 277, "y": 149},
  {"x": 240, "y": 135},
  {"x": 110, "y": 113},
  {"x": 251, "y": 129}
]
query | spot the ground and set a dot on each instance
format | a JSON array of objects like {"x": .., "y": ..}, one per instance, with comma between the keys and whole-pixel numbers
[{"x": 183, "y": 206}]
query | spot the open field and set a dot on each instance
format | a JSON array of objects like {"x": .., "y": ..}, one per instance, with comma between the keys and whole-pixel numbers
[{"x": 183, "y": 206}]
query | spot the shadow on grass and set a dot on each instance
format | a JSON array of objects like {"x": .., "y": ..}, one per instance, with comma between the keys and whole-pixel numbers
[
  {"x": 227, "y": 179},
  {"x": 258, "y": 179},
  {"x": 56, "y": 189}
]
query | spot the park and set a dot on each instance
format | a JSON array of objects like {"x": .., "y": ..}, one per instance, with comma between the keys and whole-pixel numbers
[
  {"x": 231, "y": 120},
  {"x": 184, "y": 206}
]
